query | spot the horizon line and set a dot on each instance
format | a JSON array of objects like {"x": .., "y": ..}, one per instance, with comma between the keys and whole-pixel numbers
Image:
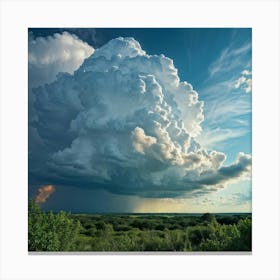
[{"x": 145, "y": 213}]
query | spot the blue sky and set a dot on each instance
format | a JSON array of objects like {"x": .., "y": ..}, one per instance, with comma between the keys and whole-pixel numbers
[{"x": 215, "y": 61}]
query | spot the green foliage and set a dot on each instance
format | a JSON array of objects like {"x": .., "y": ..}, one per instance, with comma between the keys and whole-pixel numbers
[
  {"x": 229, "y": 237},
  {"x": 198, "y": 234},
  {"x": 245, "y": 228},
  {"x": 228, "y": 220},
  {"x": 56, "y": 232},
  {"x": 50, "y": 232},
  {"x": 207, "y": 217}
]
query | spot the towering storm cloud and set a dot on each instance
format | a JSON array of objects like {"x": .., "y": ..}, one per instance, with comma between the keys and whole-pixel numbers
[{"x": 124, "y": 122}]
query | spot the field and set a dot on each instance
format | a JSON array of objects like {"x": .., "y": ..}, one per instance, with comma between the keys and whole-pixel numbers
[{"x": 138, "y": 232}]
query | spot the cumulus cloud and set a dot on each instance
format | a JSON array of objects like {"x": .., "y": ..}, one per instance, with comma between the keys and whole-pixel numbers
[
  {"x": 245, "y": 81},
  {"x": 44, "y": 193},
  {"x": 47, "y": 56},
  {"x": 124, "y": 122}
]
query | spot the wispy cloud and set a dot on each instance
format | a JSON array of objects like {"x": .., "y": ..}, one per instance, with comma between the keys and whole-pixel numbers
[
  {"x": 226, "y": 109},
  {"x": 226, "y": 118},
  {"x": 224, "y": 105},
  {"x": 229, "y": 59},
  {"x": 210, "y": 138}
]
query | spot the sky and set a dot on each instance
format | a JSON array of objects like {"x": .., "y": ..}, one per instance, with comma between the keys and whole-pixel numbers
[{"x": 140, "y": 119}]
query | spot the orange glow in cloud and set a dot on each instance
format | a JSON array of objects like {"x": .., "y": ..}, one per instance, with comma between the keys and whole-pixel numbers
[{"x": 44, "y": 193}]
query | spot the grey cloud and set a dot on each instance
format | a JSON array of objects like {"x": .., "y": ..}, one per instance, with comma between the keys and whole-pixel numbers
[{"x": 233, "y": 172}]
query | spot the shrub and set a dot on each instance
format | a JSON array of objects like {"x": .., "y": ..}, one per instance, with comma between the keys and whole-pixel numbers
[
  {"x": 50, "y": 232},
  {"x": 229, "y": 237}
]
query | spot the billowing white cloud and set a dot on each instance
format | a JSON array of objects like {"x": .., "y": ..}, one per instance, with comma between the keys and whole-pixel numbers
[
  {"x": 47, "y": 56},
  {"x": 125, "y": 122},
  {"x": 245, "y": 81}
]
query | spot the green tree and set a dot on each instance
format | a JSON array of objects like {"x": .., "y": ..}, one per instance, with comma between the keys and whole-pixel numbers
[
  {"x": 245, "y": 228},
  {"x": 50, "y": 232},
  {"x": 229, "y": 237},
  {"x": 207, "y": 217}
]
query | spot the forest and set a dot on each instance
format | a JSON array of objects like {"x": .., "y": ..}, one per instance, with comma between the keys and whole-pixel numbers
[{"x": 52, "y": 232}]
